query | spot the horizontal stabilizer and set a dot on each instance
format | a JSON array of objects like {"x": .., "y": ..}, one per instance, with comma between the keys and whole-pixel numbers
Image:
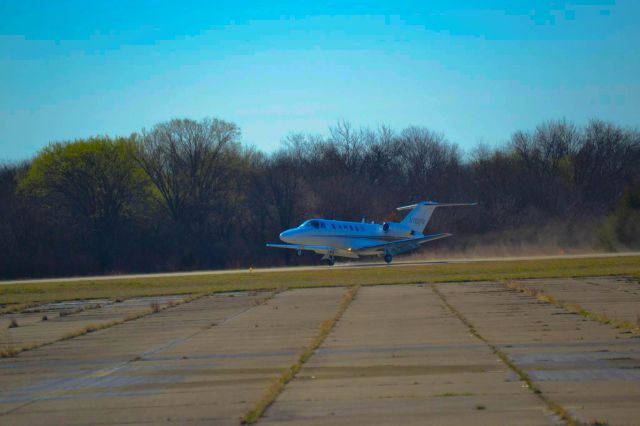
[{"x": 433, "y": 203}]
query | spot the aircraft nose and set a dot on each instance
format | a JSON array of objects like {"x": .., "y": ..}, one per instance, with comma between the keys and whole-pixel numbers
[{"x": 286, "y": 235}]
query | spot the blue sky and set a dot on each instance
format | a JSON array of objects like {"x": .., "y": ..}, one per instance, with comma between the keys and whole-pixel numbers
[{"x": 473, "y": 70}]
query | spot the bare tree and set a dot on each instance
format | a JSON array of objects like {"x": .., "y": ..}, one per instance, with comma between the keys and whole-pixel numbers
[
  {"x": 606, "y": 163},
  {"x": 428, "y": 162},
  {"x": 188, "y": 162}
]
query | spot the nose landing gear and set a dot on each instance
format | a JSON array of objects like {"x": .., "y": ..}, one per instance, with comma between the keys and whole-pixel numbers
[{"x": 388, "y": 258}]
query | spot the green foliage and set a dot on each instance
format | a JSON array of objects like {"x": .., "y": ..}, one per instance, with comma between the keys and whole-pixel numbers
[
  {"x": 93, "y": 177},
  {"x": 95, "y": 181}
]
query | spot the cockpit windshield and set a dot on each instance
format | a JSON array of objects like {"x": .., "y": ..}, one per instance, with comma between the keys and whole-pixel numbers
[{"x": 313, "y": 223}]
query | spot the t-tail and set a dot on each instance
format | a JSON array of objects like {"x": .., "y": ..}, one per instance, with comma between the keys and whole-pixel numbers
[{"x": 420, "y": 213}]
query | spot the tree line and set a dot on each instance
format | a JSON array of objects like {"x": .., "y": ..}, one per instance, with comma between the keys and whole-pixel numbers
[{"x": 188, "y": 194}]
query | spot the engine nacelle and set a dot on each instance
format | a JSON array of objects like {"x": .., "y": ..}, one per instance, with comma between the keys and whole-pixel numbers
[{"x": 397, "y": 229}]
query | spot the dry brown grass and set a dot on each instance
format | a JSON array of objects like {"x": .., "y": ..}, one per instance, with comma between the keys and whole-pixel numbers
[
  {"x": 90, "y": 328},
  {"x": 573, "y": 307},
  {"x": 122, "y": 288},
  {"x": 19, "y": 307},
  {"x": 552, "y": 405},
  {"x": 8, "y": 352},
  {"x": 277, "y": 385},
  {"x": 79, "y": 309}
]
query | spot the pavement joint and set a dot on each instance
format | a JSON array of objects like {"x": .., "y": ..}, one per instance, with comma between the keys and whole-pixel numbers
[
  {"x": 279, "y": 384},
  {"x": 13, "y": 352},
  {"x": 574, "y": 308},
  {"x": 120, "y": 366},
  {"x": 398, "y": 355},
  {"x": 552, "y": 405}
]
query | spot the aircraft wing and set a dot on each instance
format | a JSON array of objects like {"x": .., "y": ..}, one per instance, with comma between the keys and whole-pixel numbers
[
  {"x": 401, "y": 246},
  {"x": 317, "y": 249}
]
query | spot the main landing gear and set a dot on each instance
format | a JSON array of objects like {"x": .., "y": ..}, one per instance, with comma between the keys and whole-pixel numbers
[
  {"x": 388, "y": 258},
  {"x": 329, "y": 259}
]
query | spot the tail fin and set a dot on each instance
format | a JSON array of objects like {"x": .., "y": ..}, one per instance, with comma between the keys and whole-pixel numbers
[{"x": 420, "y": 213}]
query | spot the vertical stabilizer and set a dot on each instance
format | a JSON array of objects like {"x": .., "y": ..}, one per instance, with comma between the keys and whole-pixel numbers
[{"x": 420, "y": 213}]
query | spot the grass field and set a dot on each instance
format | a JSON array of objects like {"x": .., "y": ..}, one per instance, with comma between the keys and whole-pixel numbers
[{"x": 14, "y": 295}]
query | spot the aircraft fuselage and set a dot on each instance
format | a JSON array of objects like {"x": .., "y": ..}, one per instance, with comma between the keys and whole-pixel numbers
[{"x": 345, "y": 236}]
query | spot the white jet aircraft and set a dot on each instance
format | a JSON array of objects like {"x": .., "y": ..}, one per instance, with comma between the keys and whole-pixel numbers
[{"x": 333, "y": 238}]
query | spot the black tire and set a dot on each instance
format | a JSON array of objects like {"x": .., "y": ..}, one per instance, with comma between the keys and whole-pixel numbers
[
  {"x": 331, "y": 261},
  {"x": 388, "y": 258}
]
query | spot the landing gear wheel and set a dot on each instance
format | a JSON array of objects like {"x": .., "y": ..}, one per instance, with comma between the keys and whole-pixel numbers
[
  {"x": 388, "y": 258},
  {"x": 329, "y": 260}
]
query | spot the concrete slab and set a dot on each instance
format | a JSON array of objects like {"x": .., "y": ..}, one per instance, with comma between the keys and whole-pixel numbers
[
  {"x": 615, "y": 297},
  {"x": 398, "y": 356},
  {"x": 68, "y": 317},
  {"x": 589, "y": 368},
  {"x": 203, "y": 362}
]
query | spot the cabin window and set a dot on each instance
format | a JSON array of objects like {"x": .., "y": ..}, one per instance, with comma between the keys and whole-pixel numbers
[
  {"x": 322, "y": 225},
  {"x": 333, "y": 226},
  {"x": 351, "y": 227}
]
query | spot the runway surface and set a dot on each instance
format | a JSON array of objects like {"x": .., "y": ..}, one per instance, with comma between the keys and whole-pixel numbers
[
  {"x": 402, "y": 354},
  {"x": 339, "y": 265}
]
